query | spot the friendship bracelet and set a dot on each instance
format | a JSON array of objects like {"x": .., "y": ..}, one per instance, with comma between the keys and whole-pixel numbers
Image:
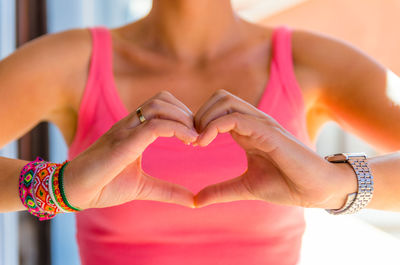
[
  {"x": 41, "y": 189},
  {"x": 58, "y": 190},
  {"x": 51, "y": 192},
  {"x": 26, "y": 190},
  {"x": 61, "y": 180}
]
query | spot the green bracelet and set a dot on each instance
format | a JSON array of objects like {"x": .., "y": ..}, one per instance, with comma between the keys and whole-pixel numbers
[{"x": 61, "y": 181}]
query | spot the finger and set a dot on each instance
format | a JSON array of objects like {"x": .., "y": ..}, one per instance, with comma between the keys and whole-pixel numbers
[
  {"x": 211, "y": 101},
  {"x": 227, "y": 191},
  {"x": 158, "y": 108},
  {"x": 148, "y": 132},
  {"x": 169, "y": 97},
  {"x": 220, "y": 104},
  {"x": 159, "y": 190},
  {"x": 224, "y": 106},
  {"x": 123, "y": 146},
  {"x": 242, "y": 124}
]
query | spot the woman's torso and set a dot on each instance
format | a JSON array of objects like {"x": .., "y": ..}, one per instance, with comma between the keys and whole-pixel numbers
[
  {"x": 156, "y": 233},
  {"x": 140, "y": 73}
]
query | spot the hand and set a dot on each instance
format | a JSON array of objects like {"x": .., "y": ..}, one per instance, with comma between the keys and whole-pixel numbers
[
  {"x": 280, "y": 168},
  {"x": 109, "y": 172}
]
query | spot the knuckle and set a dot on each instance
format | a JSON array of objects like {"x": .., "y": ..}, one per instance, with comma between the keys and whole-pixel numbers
[
  {"x": 154, "y": 104},
  {"x": 116, "y": 137},
  {"x": 143, "y": 190},
  {"x": 221, "y": 92},
  {"x": 270, "y": 120},
  {"x": 236, "y": 115},
  {"x": 165, "y": 93},
  {"x": 131, "y": 118},
  {"x": 225, "y": 100},
  {"x": 275, "y": 126},
  {"x": 168, "y": 194},
  {"x": 249, "y": 188},
  {"x": 216, "y": 189}
]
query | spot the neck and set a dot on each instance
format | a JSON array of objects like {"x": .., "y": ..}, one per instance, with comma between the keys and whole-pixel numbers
[{"x": 190, "y": 29}]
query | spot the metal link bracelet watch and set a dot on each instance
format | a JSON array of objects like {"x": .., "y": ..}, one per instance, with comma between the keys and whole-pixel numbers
[{"x": 358, "y": 200}]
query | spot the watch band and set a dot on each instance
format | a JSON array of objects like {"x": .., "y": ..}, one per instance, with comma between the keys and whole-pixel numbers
[{"x": 359, "y": 200}]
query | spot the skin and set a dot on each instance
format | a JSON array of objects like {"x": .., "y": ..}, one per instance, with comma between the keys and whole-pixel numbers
[
  {"x": 281, "y": 169},
  {"x": 174, "y": 48}
]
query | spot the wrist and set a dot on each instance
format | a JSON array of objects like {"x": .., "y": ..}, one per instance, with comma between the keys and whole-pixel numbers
[{"x": 344, "y": 182}]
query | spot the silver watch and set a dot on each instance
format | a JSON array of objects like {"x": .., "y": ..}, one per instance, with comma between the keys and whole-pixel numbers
[{"x": 358, "y": 200}]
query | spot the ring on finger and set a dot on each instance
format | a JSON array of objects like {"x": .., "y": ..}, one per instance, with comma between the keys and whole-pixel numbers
[{"x": 139, "y": 113}]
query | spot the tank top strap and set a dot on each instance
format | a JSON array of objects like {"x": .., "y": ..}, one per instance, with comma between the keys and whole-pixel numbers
[
  {"x": 99, "y": 80},
  {"x": 283, "y": 59},
  {"x": 101, "y": 64},
  {"x": 100, "y": 71}
]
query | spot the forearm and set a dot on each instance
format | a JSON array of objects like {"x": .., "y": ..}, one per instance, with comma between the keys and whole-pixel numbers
[
  {"x": 386, "y": 172},
  {"x": 9, "y": 196}
]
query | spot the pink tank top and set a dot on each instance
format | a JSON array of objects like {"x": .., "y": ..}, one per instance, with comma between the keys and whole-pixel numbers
[{"x": 147, "y": 232}]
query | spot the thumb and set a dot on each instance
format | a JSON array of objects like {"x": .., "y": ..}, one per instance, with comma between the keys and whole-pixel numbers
[
  {"x": 232, "y": 190},
  {"x": 154, "y": 189}
]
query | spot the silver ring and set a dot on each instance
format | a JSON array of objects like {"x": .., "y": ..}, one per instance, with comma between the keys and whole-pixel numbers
[{"x": 139, "y": 113}]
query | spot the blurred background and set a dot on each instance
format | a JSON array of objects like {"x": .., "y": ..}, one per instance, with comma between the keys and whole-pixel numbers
[{"x": 370, "y": 237}]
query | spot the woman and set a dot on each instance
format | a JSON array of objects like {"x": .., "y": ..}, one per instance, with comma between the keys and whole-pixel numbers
[{"x": 85, "y": 82}]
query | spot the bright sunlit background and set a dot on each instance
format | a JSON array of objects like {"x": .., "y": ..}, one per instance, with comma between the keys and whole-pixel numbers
[{"x": 371, "y": 237}]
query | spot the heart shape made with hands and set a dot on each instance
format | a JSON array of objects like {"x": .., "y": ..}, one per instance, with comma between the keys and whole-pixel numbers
[
  {"x": 226, "y": 113},
  {"x": 272, "y": 174}
]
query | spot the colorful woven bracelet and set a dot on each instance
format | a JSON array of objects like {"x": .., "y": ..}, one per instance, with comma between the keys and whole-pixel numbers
[
  {"x": 27, "y": 191},
  {"x": 41, "y": 187},
  {"x": 61, "y": 181},
  {"x": 51, "y": 190},
  {"x": 58, "y": 190}
]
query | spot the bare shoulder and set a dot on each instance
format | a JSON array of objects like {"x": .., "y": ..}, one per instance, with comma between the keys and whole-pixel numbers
[
  {"x": 325, "y": 57},
  {"x": 52, "y": 70},
  {"x": 56, "y": 61},
  {"x": 62, "y": 49}
]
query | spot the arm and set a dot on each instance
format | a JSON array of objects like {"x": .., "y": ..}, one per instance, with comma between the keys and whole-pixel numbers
[
  {"x": 10, "y": 170},
  {"x": 35, "y": 86},
  {"x": 386, "y": 172},
  {"x": 342, "y": 84},
  {"x": 43, "y": 81},
  {"x": 281, "y": 169},
  {"x": 359, "y": 94}
]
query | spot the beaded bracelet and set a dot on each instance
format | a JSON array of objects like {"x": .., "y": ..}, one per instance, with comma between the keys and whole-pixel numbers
[{"x": 41, "y": 189}]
